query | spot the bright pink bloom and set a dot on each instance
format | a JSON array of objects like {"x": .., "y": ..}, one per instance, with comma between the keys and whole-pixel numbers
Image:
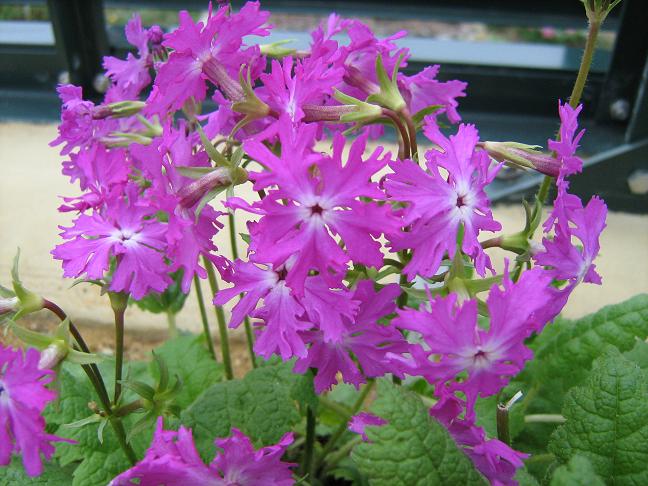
[
  {"x": 318, "y": 198},
  {"x": 373, "y": 345},
  {"x": 493, "y": 458},
  {"x": 286, "y": 90},
  {"x": 457, "y": 344},
  {"x": 438, "y": 205},
  {"x": 567, "y": 260},
  {"x": 361, "y": 421},
  {"x": 77, "y": 127},
  {"x": 127, "y": 233},
  {"x": 172, "y": 460},
  {"x": 566, "y": 145},
  {"x": 23, "y": 397},
  {"x": 423, "y": 89},
  {"x": 207, "y": 51},
  {"x": 131, "y": 75}
]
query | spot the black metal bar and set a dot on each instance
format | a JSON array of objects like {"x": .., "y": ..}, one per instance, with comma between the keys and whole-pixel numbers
[
  {"x": 80, "y": 32},
  {"x": 619, "y": 91}
]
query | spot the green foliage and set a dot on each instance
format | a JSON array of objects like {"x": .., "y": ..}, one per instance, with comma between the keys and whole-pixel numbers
[
  {"x": 171, "y": 300},
  {"x": 188, "y": 358},
  {"x": 607, "y": 422},
  {"x": 97, "y": 462},
  {"x": 264, "y": 405},
  {"x": 413, "y": 448},
  {"x": 564, "y": 352},
  {"x": 53, "y": 475},
  {"x": 577, "y": 472}
]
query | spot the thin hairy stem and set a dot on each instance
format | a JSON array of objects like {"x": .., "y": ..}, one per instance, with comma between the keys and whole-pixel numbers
[
  {"x": 203, "y": 317},
  {"x": 220, "y": 318}
]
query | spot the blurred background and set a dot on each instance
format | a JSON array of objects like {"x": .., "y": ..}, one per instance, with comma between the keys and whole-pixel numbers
[{"x": 518, "y": 58}]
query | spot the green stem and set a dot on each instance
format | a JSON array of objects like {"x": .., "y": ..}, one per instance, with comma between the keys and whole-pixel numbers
[
  {"x": 502, "y": 419},
  {"x": 538, "y": 458},
  {"x": 94, "y": 375},
  {"x": 341, "y": 453},
  {"x": 203, "y": 317},
  {"x": 171, "y": 322},
  {"x": 335, "y": 407},
  {"x": 544, "y": 418},
  {"x": 118, "y": 302},
  {"x": 246, "y": 321},
  {"x": 404, "y": 147},
  {"x": 220, "y": 318},
  {"x": 411, "y": 129},
  {"x": 343, "y": 426},
  {"x": 307, "y": 463}
]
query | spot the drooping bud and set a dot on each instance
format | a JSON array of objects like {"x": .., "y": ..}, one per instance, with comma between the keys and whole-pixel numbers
[
  {"x": 219, "y": 177},
  {"x": 52, "y": 355},
  {"x": 218, "y": 75},
  {"x": 8, "y": 305},
  {"x": 522, "y": 156},
  {"x": 119, "y": 109}
]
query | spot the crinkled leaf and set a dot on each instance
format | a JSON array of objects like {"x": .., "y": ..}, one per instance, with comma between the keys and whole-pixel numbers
[
  {"x": 607, "y": 422},
  {"x": 525, "y": 478},
  {"x": 187, "y": 357},
  {"x": 264, "y": 405},
  {"x": 413, "y": 449},
  {"x": 565, "y": 350},
  {"x": 53, "y": 475},
  {"x": 577, "y": 472}
]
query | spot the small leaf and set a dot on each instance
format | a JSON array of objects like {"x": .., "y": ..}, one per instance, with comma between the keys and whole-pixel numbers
[{"x": 577, "y": 472}]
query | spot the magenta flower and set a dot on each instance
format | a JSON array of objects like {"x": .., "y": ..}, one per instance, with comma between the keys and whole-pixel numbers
[
  {"x": 566, "y": 260},
  {"x": 423, "y": 90},
  {"x": 78, "y": 126},
  {"x": 127, "y": 233},
  {"x": 457, "y": 344},
  {"x": 281, "y": 312},
  {"x": 493, "y": 458},
  {"x": 172, "y": 460},
  {"x": 567, "y": 143},
  {"x": 131, "y": 75},
  {"x": 286, "y": 90},
  {"x": 23, "y": 397},
  {"x": 207, "y": 51},
  {"x": 438, "y": 205},
  {"x": 373, "y": 345},
  {"x": 317, "y": 199},
  {"x": 361, "y": 421}
]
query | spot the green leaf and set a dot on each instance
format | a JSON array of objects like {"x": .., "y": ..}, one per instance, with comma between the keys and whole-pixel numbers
[
  {"x": 264, "y": 405},
  {"x": 187, "y": 357},
  {"x": 525, "y": 478},
  {"x": 565, "y": 350},
  {"x": 607, "y": 422},
  {"x": 413, "y": 449},
  {"x": 171, "y": 300},
  {"x": 577, "y": 472},
  {"x": 97, "y": 462},
  {"x": 53, "y": 474}
]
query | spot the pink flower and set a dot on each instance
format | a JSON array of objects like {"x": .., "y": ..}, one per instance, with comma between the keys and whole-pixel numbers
[
  {"x": 493, "y": 458},
  {"x": 131, "y": 75},
  {"x": 124, "y": 232},
  {"x": 567, "y": 260},
  {"x": 317, "y": 199},
  {"x": 438, "y": 205},
  {"x": 207, "y": 51},
  {"x": 23, "y": 397},
  {"x": 373, "y": 345},
  {"x": 361, "y": 421},
  {"x": 423, "y": 90},
  {"x": 457, "y": 344},
  {"x": 172, "y": 460},
  {"x": 566, "y": 145}
]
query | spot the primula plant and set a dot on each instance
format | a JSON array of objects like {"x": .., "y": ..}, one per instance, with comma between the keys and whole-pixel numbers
[{"x": 387, "y": 345}]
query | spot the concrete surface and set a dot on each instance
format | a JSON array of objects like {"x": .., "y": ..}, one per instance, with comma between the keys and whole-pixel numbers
[{"x": 30, "y": 183}]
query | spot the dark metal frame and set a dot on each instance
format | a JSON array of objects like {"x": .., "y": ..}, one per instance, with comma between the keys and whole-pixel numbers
[{"x": 505, "y": 102}]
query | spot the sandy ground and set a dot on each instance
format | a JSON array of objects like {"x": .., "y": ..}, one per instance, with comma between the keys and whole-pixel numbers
[{"x": 31, "y": 182}]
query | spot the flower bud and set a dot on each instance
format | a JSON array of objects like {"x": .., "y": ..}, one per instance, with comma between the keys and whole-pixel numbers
[
  {"x": 119, "y": 109},
  {"x": 219, "y": 177},
  {"x": 8, "y": 305},
  {"x": 522, "y": 156},
  {"x": 52, "y": 355}
]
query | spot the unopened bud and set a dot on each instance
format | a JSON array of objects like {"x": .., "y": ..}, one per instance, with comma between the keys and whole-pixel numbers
[
  {"x": 219, "y": 177},
  {"x": 218, "y": 75},
  {"x": 8, "y": 305},
  {"x": 119, "y": 109},
  {"x": 52, "y": 355},
  {"x": 522, "y": 156}
]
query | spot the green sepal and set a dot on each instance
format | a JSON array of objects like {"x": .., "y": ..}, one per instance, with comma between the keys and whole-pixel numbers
[
  {"x": 389, "y": 95},
  {"x": 275, "y": 49},
  {"x": 29, "y": 301},
  {"x": 364, "y": 112},
  {"x": 121, "y": 109},
  {"x": 251, "y": 106},
  {"x": 219, "y": 159}
]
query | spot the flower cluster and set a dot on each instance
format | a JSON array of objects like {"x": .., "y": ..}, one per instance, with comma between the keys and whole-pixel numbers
[{"x": 332, "y": 223}]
